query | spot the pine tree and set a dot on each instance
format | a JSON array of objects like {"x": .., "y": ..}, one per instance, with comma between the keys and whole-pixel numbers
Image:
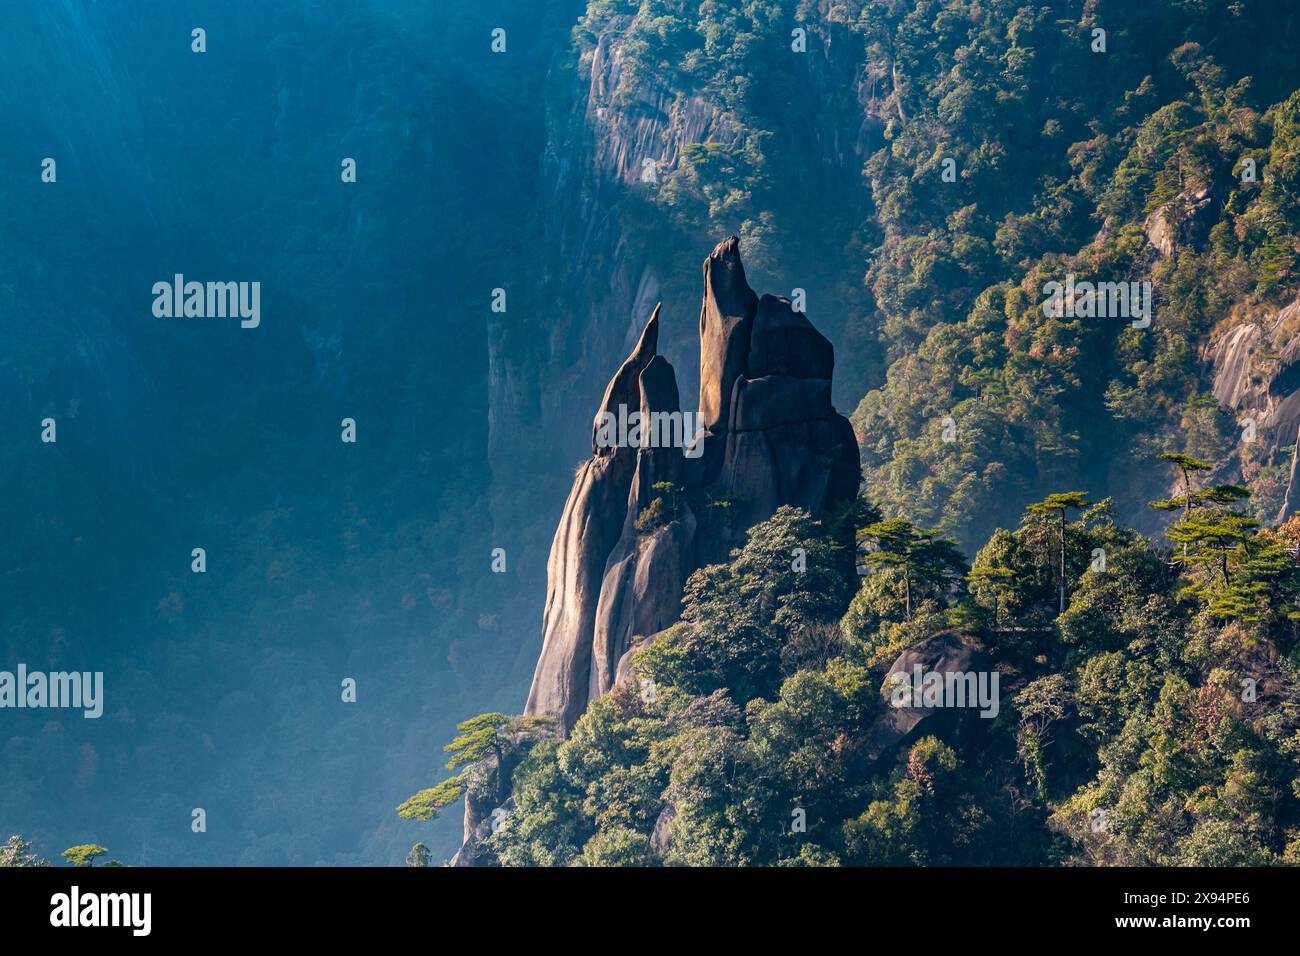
[
  {"x": 1187, "y": 465},
  {"x": 83, "y": 854},
  {"x": 925, "y": 559},
  {"x": 1058, "y": 504},
  {"x": 994, "y": 580},
  {"x": 483, "y": 740}
]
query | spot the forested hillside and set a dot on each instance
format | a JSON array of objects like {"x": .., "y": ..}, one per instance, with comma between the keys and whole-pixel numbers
[
  {"x": 1155, "y": 722},
  {"x": 922, "y": 170},
  {"x": 1091, "y": 505}
]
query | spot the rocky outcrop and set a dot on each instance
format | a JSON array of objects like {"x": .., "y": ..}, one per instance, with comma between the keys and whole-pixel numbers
[
  {"x": 661, "y": 838},
  {"x": 642, "y": 516},
  {"x": 726, "y": 319},
  {"x": 487, "y": 801},
  {"x": 639, "y": 129},
  {"x": 1183, "y": 221},
  {"x": 1254, "y": 365},
  {"x": 948, "y": 652},
  {"x": 591, "y": 524}
]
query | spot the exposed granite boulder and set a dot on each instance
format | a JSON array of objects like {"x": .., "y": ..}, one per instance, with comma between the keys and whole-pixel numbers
[
  {"x": 1254, "y": 365},
  {"x": 661, "y": 839},
  {"x": 1291, "y": 502},
  {"x": 590, "y": 527},
  {"x": 945, "y": 652},
  {"x": 624, "y": 389},
  {"x": 1233, "y": 356},
  {"x": 641, "y": 593},
  {"x": 638, "y": 520},
  {"x": 759, "y": 403},
  {"x": 478, "y": 827},
  {"x": 657, "y": 387},
  {"x": 627, "y": 663},
  {"x": 487, "y": 802}
]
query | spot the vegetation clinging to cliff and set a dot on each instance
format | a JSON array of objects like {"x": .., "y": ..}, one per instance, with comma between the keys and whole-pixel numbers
[
  {"x": 1155, "y": 721},
  {"x": 1002, "y": 148}
]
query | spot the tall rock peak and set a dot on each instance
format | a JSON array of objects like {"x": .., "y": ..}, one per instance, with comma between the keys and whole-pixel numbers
[
  {"x": 637, "y": 521},
  {"x": 726, "y": 319},
  {"x": 624, "y": 388}
]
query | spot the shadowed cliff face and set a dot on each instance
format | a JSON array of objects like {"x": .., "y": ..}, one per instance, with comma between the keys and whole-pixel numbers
[{"x": 639, "y": 520}]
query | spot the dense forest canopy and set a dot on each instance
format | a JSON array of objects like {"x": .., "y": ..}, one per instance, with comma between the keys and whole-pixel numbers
[{"x": 1155, "y": 721}]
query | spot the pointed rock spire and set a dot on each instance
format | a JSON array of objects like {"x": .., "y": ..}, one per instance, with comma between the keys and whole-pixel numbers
[
  {"x": 624, "y": 388},
  {"x": 617, "y": 569},
  {"x": 659, "y": 387},
  {"x": 726, "y": 319}
]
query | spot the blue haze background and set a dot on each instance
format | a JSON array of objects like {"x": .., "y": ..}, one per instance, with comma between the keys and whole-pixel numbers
[{"x": 325, "y": 560}]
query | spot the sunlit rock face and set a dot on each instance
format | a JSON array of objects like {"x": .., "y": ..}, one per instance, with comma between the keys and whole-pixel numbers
[
  {"x": 641, "y": 517},
  {"x": 1255, "y": 374}
]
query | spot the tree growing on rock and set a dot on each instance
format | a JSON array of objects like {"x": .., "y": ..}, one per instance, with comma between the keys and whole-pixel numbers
[
  {"x": 737, "y": 617},
  {"x": 478, "y": 750}
]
